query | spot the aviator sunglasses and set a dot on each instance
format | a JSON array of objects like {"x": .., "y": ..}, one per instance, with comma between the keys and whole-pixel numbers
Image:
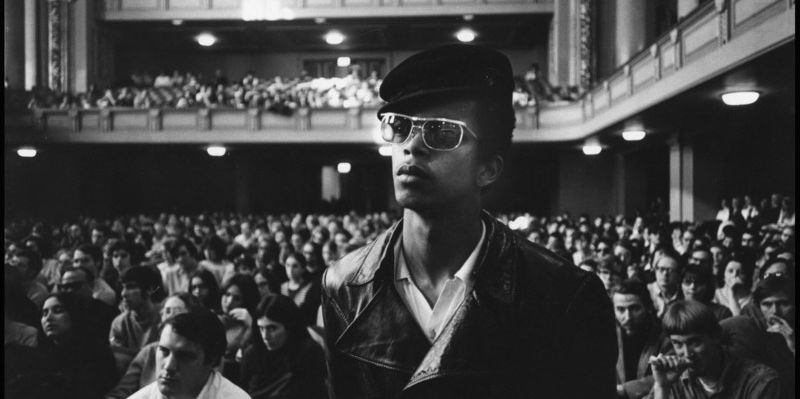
[{"x": 437, "y": 133}]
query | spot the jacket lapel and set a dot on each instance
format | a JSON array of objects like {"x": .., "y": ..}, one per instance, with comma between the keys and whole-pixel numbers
[
  {"x": 384, "y": 332},
  {"x": 478, "y": 338}
]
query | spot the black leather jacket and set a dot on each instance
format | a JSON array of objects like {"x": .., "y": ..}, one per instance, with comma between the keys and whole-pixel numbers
[{"x": 535, "y": 326}]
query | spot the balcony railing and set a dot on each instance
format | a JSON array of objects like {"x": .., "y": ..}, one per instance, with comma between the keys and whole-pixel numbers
[{"x": 714, "y": 39}]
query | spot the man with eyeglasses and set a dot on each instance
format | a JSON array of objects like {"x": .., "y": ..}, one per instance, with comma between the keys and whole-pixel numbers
[
  {"x": 666, "y": 289},
  {"x": 449, "y": 302}
]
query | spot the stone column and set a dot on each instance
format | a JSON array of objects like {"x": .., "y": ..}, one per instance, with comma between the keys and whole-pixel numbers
[
  {"x": 31, "y": 64},
  {"x": 696, "y": 177},
  {"x": 14, "y": 44},
  {"x": 631, "y": 33},
  {"x": 58, "y": 44}
]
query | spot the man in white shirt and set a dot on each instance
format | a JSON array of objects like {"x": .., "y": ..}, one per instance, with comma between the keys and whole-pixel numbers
[{"x": 189, "y": 348}]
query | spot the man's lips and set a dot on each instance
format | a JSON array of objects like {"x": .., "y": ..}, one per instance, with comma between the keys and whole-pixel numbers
[{"x": 412, "y": 170}]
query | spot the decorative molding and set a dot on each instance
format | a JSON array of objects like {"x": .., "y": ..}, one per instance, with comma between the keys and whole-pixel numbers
[{"x": 585, "y": 40}]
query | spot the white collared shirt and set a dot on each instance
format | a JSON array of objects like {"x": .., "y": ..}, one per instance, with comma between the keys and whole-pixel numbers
[
  {"x": 432, "y": 320},
  {"x": 216, "y": 387}
]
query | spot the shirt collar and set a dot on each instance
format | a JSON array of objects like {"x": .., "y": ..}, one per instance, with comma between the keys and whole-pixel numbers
[{"x": 464, "y": 273}]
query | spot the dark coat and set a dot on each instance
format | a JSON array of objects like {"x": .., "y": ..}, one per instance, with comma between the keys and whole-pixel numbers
[
  {"x": 639, "y": 385},
  {"x": 534, "y": 326}
]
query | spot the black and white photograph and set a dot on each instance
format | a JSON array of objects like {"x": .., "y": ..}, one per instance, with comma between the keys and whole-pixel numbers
[{"x": 411, "y": 199}]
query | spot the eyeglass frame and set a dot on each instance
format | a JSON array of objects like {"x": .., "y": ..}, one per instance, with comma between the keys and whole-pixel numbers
[{"x": 415, "y": 119}]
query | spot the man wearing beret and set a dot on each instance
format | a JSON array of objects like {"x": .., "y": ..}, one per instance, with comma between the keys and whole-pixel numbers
[{"x": 449, "y": 302}]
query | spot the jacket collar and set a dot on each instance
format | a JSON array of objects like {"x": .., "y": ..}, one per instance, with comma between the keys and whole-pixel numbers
[
  {"x": 497, "y": 280},
  {"x": 385, "y": 333}
]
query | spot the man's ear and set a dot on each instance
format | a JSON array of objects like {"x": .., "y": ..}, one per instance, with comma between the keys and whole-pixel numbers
[{"x": 489, "y": 171}]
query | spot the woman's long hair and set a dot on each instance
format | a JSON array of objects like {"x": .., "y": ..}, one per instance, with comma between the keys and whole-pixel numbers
[{"x": 281, "y": 309}]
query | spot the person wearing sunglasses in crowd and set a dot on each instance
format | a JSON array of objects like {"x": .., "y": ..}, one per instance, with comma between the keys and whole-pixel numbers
[{"x": 449, "y": 302}]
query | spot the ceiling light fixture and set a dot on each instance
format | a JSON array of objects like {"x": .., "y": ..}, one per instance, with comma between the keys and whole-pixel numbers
[
  {"x": 177, "y": 22},
  {"x": 468, "y": 17},
  {"x": 465, "y": 35},
  {"x": 26, "y": 152},
  {"x": 206, "y": 39},
  {"x": 592, "y": 149},
  {"x": 740, "y": 97},
  {"x": 633, "y": 135},
  {"x": 334, "y": 37},
  {"x": 319, "y": 20},
  {"x": 343, "y": 62},
  {"x": 385, "y": 150},
  {"x": 216, "y": 150},
  {"x": 343, "y": 167}
]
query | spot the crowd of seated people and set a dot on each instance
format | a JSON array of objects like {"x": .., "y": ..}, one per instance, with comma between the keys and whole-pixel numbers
[
  {"x": 280, "y": 95},
  {"x": 261, "y": 275}
]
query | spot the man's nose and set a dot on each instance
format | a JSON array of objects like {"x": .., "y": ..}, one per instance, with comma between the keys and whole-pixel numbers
[
  {"x": 415, "y": 143},
  {"x": 169, "y": 363}
]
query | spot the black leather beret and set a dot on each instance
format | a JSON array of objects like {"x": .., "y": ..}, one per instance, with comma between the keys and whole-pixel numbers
[{"x": 454, "y": 69}]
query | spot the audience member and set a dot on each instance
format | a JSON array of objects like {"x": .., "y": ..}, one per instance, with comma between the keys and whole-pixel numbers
[
  {"x": 203, "y": 285},
  {"x": 285, "y": 362},
  {"x": 701, "y": 366},
  {"x": 82, "y": 365},
  {"x": 142, "y": 370},
  {"x": 189, "y": 348}
]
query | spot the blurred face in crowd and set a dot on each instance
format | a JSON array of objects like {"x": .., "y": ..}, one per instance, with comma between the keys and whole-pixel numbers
[
  {"x": 263, "y": 284},
  {"x": 83, "y": 259},
  {"x": 734, "y": 274},
  {"x": 717, "y": 255},
  {"x": 294, "y": 270},
  {"x": 607, "y": 276},
  {"x": 701, "y": 257},
  {"x": 182, "y": 369},
  {"x": 687, "y": 238},
  {"x": 22, "y": 264},
  {"x": 603, "y": 249},
  {"x": 748, "y": 241},
  {"x": 98, "y": 238},
  {"x": 232, "y": 299},
  {"x": 630, "y": 313},
  {"x": 121, "y": 259},
  {"x": 693, "y": 288},
  {"x": 246, "y": 231},
  {"x": 132, "y": 296},
  {"x": 56, "y": 322},
  {"x": 328, "y": 256},
  {"x": 667, "y": 274},
  {"x": 185, "y": 258},
  {"x": 172, "y": 306},
  {"x": 778, "y": 305},
  {"x": 297, "y": 241},
  {"x": 701, "y": 350},
  {"x": 273, "y": 333},
  {"x": 77, "y": 282},
  {"x": 622, "y": 254},
  {"x": 198, "y": 288},
  {"x": 787, "y": 235}
]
